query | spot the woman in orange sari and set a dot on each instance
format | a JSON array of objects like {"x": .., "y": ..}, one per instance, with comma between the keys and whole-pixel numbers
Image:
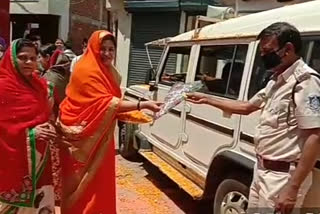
[{"x": 88, "y": 119}]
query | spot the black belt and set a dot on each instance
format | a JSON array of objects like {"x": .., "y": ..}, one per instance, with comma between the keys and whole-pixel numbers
[{"x": 278, "y": 166}]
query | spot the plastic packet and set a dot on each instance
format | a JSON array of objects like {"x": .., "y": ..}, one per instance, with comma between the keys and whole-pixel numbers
[{"x": 176, "y": 95}]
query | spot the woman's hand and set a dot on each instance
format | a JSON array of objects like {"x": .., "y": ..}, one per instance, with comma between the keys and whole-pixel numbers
[
  {"x": 45, "y": 132},
  {"x": 64, "y": 142},
  {"x": 197, "y": 98},
  {"x": 151, "y": 105}
]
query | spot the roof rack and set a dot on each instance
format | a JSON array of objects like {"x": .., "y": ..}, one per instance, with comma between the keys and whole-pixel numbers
[
  {"x": 214, "y": 15},
  {"x": 160, "y": 43},
  {"x": 205, "y": 19}
]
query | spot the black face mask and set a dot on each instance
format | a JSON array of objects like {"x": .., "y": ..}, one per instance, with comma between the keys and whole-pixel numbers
[{"x": 271, "y": 60}]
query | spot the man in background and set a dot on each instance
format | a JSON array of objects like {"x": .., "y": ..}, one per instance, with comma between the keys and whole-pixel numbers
[{"x": 76, "y": 59}]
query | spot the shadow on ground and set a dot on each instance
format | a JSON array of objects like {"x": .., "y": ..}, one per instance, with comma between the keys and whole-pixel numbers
[{"x": 183, "y": 200}]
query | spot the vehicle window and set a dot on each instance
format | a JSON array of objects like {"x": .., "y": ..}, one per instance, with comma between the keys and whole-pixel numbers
[
  {"x": 221, "y": 68},
  {"x": 176, "y": 65},
  {"x": 314, "y": 60},
  {"x": 260, "y": 77}
]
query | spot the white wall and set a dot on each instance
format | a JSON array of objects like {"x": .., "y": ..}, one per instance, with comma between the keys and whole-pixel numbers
[
  {"x": 124, "y": 36},
  {"x": 40, "y": 7},
  {"x": 114, "y": 5},
  {"x": 123, "y": 49},
  {"x": 61, "y": 8}
]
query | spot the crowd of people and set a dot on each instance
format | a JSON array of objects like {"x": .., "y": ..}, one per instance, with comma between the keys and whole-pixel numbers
[{"x": 57, "y": 126}]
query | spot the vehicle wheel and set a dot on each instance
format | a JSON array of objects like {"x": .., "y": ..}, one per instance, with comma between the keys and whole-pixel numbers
[
  {"x": 231, "y": 197},
  {"x": 126, "y": 141}
]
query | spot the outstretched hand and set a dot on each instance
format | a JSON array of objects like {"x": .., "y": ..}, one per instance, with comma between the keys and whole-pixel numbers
[
  {"x": 197, "y": 98},
  {"x": 151, "y": 105}
]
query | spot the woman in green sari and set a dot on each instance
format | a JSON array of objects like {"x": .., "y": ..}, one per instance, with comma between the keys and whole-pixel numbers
[{"x": 25, "y": 163}]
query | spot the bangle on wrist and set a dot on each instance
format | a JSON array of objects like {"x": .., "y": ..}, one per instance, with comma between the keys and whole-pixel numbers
[{"x": 139, "y": 105}]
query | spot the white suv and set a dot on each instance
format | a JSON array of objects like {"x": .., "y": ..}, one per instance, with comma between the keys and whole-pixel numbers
[{"x": 209, "y": 154}]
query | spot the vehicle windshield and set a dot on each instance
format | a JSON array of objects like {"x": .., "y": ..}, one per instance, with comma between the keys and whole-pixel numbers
[{"x": 176, "y": 65}]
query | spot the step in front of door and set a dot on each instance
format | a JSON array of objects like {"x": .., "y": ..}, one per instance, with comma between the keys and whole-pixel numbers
[{"x": 186, "y": 184}]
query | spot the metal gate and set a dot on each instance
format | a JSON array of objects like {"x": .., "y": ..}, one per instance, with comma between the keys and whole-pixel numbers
[{"x": 148, "y": 27}]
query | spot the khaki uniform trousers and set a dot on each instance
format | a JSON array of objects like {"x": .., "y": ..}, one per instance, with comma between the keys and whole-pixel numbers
[{"x": 266, "y": 186}]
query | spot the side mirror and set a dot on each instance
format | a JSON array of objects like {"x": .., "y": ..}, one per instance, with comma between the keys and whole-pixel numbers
[
  {"x": 151, "y": 75},
  {"x": 153, "y": 86}
]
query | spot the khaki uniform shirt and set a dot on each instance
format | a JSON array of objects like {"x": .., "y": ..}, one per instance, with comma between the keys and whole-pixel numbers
[{"x": 277, "y": 136}]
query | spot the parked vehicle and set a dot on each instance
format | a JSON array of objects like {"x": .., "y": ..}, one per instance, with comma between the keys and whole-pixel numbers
[{"x": 209, "y": 154}]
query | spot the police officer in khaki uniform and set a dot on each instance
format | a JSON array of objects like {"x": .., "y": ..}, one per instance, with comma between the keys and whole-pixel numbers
[{"x": 288, "y": 134}]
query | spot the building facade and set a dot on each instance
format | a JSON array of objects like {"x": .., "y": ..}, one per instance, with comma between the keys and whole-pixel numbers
[
  {"x": 152, "y": 20},
  {"x": 47, "y": 18},
  {"x": 87, "y": 17},
  {"x": 136, "y": 22}
]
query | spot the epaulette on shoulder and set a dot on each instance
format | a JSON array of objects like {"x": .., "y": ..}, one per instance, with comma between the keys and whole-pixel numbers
[{"x": 301, "y": 74}]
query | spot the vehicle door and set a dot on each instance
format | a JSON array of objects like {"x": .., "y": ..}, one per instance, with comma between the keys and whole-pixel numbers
[
  {"x": 208, "y": 130},
  {"x": 166, "y": 130}
]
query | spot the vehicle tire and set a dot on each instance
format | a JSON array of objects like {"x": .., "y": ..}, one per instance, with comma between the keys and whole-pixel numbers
[
  {"x": 126, "y": 141},
  {"x": 231, "y": 197}
]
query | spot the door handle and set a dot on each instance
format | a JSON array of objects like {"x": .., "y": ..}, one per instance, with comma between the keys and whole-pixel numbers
[
  {"x": 187, "y": 108},
  {"x": 183, "y": 137},
  {"x": 153, "y": 86}
]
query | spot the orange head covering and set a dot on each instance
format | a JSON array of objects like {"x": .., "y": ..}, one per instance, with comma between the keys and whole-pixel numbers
[{"x": 91, "y": 89}]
